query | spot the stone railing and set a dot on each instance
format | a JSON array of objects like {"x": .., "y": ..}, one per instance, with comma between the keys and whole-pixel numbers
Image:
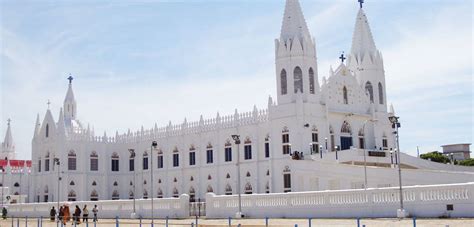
[
  {"x": 203, "y": 125},
  {"x": 167, "y": 207},
  {"x": 419, "y": 201}
]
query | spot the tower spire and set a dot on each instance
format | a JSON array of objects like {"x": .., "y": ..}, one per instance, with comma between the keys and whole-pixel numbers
[
  {"x": 69, "y": 106},
  {"x": 8, "y": 141},
  {"x": 362, "y": 40},
  {"x": 294, "y": 24}
]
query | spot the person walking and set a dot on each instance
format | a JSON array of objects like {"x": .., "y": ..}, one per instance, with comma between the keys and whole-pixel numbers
[
  {"x": 77, "y": 215},
  {"x": 85, "y": 214},
  {"x": 66, "y": 214},
  {"x": 95, "y": 210},
  {"x": 4, "y": 213},
  {"x": 61, "y": 214},
  {"x": 52, "y": 214}
]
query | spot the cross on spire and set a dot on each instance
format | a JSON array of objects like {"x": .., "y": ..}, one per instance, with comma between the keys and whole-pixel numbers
[
  {"x": 48, "y": 103},
  {"x": 70, "y": 78},
  {"x": 342, "y": 57},
  {"x": 360, "y": 3}
]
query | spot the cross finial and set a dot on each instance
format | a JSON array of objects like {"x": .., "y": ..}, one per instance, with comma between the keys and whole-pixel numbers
[
  {"x": 48, "y": 103},
  {"x": 70, "y": 78},
  {"x": 360, "y": 3},
  {"x": 342, "y": 57},
  {"x": 9, "y": 120}
]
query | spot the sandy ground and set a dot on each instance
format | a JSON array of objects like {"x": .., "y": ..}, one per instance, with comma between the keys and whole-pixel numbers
[{"x": 255, "y": 222}]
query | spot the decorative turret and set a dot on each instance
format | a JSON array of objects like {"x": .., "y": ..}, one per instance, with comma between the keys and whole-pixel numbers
[
  {"x": 365, "y": 61},
  {"x": 8, "y": 147},
  {"x": 70, "y": 106},
  {"x": 60, "y": 125},
  {"x": 295, "y": 56},
  {"x": 37, "y": 126},
  {"x": 48, "y": 127}
]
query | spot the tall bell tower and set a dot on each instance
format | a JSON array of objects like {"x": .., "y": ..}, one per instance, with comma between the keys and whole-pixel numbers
[{"x": 295, "y": 58}]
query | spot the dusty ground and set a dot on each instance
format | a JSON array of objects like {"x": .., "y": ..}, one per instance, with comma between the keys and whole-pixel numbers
[{"x": 258, "y": 223}]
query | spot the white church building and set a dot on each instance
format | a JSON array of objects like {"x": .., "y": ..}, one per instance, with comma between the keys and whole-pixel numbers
[{"x": 310, "y": 137}]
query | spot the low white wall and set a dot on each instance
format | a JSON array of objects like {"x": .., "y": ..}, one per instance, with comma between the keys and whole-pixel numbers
[
  {"x": 171, "y": 207},
  {"x": 419, "y": 201}
]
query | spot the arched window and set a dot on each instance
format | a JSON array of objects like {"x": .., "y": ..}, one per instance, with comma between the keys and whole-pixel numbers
[
  {"x": 191, "y": 178},
  {"x": 160, "y": 193},
  {"x": 344, "y": 95},
  {"x": 115, "y": 162},
  {"x": 16, "y": 184},
  {"x": 370, "y": 91},
  {"x": 298, "y": 79},
  {"x": 175, "y": 180},
  {"x": 115, "y": 195},
  {"x": 94, "y": 195},
  {"x": 311, "y": 80},
  {"x": 381, "y": 93},
  {"x": 227, "y": 176},
  {"x": 46, "y": 162},
  {"x": 228, "y": 189},
  {"x": 192, "y": 194},
  {"x": 71, "y": 160},
  {"x": 115, "y": 183},
  {"x": 283, "y": 81},
  {"x": 209, "y": 188},
  {"x": 145, "y": 160},
  {"x": 94, "y": 161},
  {"x": 209, "y": 177},
  {"x": 47, "y": 130},
  {"x": 94, "y": 183},
  {"x": 267, "y": 187},
  {"x": 144, "y": 182},
  {"x": 248, "y": 188},
  {"x": 248, "y": 174},
  {"x": 145, "y": 194},
  {"x": 72, "y": 183},
  {"x": 175, "y": 193},
  {"x": 346, "y": 127},
  {"x": 71, "y": 196}
]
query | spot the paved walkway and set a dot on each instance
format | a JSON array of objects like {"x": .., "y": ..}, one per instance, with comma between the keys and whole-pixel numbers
[{"x": 259, "y": 223}]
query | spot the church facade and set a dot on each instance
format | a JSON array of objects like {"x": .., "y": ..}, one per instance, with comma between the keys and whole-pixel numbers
[{"x": 294, "y": 144}]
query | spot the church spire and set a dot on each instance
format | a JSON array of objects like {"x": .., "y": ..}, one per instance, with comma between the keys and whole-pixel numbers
[
  {"x": 362, "y": 40},
  {"x": 70, "y": 105},
  {"x": 294, "y": 24},
  {"x": 8, "y": 145}
]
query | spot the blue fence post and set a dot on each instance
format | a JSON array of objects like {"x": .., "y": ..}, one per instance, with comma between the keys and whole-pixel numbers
[
  {"x": 41, "y": 221},
  {"x": 192, "y": 224},
  {"x": 296, "y": 225},
  {"x": 95, "y": 223},
  {"x": 37, "y": 222},
  {"x": 238, "y": 225},
  {"x": 266, "y": 221},
  {"x": 358, "y": 222},
  {"x": 17, "y": 222},
  {"x": 74, "y": 221},
  {"x": 309, "y": 222},
  {"x": 116, "y": 221},
  {"x": 230, "y": 221},
  {"x": 140, "y": 221},
  {"x": 26, "y": 221},
  {"x": 166, "y": 221},
  {"x": 87, "y": 223},
  {"x": 414, "y": 221}
]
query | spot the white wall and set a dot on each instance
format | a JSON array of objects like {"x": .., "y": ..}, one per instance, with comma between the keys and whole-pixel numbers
[
  {"x": 420, "y": 201},
  {"x": 171, "y": 207}
]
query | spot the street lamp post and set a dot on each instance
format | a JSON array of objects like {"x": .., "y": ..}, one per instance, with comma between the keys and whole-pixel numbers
[
  {"x": 3, "y": 182},
  {"x": 132, "y": 156},
  {"x": 365, "y": 155},
  {"x": 57, "y": 163},
  {"x": 236, "y": 139},
  {"x": 336, "y": 148},
  {"x": 154, "y": 144},
  {"x": 321, "y": 151},
  {"x": 401, "y": 213}
]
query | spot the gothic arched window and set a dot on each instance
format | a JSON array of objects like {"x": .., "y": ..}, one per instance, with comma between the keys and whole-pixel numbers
[
  {"x": 94, "y": 195},
  {"x": 311, "y": 80},
  {"x": 370, "y": 91},
  {"x": 283, "y": 82},
  {"x": 71, "y": 196},
  {"x": 47, "y": 130},
  {"x": 115, "y": 195},
  {"x": 209, "y": 189},
  {"x": 228, "y": 189},
  {"x": 115, "y": 162},
  {"x": 346, "y": 127},
  {"x": 94, "y": 161},
  {"x": 175, "y": 193},
  {"x": 298, "y": 79},
  {"x": 160, "y": 193},
  {"x": 145, "y": 160},
  {"x": 380, "y": 93},
  {"x": 16, "y": 184},
  {"x": 248, "y": 188},
  {"x": 71, "y": 160},
  {"x": 344, "y": 94}
]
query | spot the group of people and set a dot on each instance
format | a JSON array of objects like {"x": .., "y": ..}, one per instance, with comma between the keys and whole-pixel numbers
[{"x": 64, "y": 214}]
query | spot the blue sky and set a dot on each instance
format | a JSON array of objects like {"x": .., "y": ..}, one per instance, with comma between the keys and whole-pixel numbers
[{"x": 141, "y": 62}]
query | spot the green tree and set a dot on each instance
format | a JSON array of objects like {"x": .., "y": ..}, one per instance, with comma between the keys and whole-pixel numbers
[
  {"x": 435, "y": 156},
  {"x": 467, "y": 162}
]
